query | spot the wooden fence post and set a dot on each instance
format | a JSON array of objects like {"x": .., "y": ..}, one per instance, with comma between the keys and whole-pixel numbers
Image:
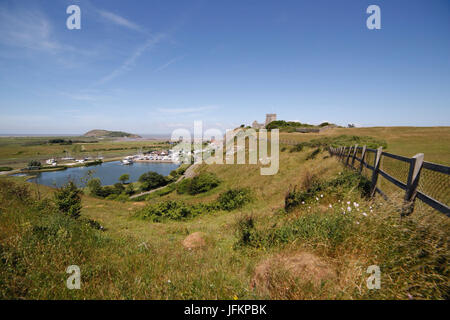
[
  {"x": 376, "y": 169},
  {"x": 412, "y": 183},
  {"x": 348, "y": 155},
  {"x": 363, "y": 156},
  {"x": 354, "y": 155}
]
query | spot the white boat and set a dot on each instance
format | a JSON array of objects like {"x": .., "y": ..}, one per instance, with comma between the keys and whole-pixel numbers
[{"x": 126, "y": 161}]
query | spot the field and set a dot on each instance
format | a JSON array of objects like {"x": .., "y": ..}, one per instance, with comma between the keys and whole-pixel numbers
[
  {"x": 405, "y": 141},
  {"x": 261, "y": 250},
  {"x": 16, "y": 152}
]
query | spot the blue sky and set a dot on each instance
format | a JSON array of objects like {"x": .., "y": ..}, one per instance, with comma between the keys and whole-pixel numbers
[{"x": 153, "y": 66}]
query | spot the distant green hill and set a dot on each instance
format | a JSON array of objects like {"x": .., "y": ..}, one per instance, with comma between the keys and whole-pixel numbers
[{"x": 111, "y": 134}]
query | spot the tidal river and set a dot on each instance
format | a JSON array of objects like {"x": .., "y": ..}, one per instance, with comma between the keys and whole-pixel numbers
[{"x": 107, "y": 172}]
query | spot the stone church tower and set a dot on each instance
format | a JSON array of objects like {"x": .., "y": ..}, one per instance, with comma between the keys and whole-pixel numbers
[{"x": 270, "y": 117}]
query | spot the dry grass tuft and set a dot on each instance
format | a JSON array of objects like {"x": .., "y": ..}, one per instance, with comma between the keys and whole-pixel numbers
[
  {"x": 279, "y": 274},
  {"x": 194, "y": 240}
]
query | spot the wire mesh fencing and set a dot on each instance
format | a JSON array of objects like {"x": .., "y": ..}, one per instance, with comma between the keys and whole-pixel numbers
[{"x": 400, "y": 179}]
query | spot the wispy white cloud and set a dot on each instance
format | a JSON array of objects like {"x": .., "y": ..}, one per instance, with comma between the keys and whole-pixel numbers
[
  {"x": 30, "y": 28},
  {"x": 160, "y": 68},
  {"x": 130, "y": 62},
  {"x": 186, "y": 110},
  {"x": 119, "y": 20},
  {"x": 26, "y": 28},
  {"x": 85, "y": 95}
]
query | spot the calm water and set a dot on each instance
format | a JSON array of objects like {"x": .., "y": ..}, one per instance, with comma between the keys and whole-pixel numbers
[{"x": 108, "y": 172}]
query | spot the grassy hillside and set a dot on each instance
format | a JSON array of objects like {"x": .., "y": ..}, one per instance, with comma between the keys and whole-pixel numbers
[
  {"x": 261, "y": 250},
  {"x": 111, "y": 134},
  {"x": 406, "y": 141}
]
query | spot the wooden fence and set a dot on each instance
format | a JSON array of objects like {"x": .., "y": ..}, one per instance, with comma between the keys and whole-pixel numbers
[{"x": 433, "y": 189}]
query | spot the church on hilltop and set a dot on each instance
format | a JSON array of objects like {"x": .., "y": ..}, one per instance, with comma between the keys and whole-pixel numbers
[{"x": 269, "y": 118}]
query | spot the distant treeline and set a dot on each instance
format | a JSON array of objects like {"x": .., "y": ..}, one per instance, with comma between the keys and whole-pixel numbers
[
  {"x": 57, "y": 141},
  {"x": 292, "y": 125}
]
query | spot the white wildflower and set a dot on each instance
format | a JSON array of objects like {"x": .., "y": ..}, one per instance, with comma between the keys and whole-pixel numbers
[
  {"x": 364, "y": 214},
  {"x": 349, "y": 209}
]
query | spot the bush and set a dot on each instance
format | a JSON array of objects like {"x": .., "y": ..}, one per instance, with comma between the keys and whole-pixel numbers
[
  {"x": 313, "y": 228},
  {"x": 34, "y": 163},
  {"x": 286, "y": 125},
  {"x": 199, "y": 184},
  {"x": 313, "y": 154},
  {"x": 124, "y": 178},
  {"x": 152, "y": 180},
  {"x": 349, "y": 179},
  {"x": 245, "y": 230},
  {"x": 111, "y": 196},
  {"x": 122, "y": 197},
  {"x": 5, "y": 168},
  {"x": 177, "y": 210},
  {"x": 129, "y": 190},
  {"x": 174, "y": 210},
  {"x": 118, "y": 188},
  {"x": 233, "y": 199},
  {"x": 68, "y": 200},
  {"x": 10, "y": 190},
  {"x": 297, "y": 148},
  {"x": 95, "y": 187}
]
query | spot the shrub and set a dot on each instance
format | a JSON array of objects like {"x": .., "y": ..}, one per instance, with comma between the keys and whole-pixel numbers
[
  {"x": 233, "y": 199},
  {"x": 118, "y": 188},
  {"x": 177, "y": 210},
  {"x": 349, "y": 179},
  {"x": 152, "y": 180},
  {"x": 122, "y": 197},
  {"x": 174, "y": 210},
  {"x": 297, "y": 148},
  {"x": 199, "y": 184},
  {"x": 313, "y": 154},
  {"x": 95, "y": 187},
  {"x": 124, "y": 178},
  {"x": 5, "y": 168},
  {"x": 34, "y": 163},
  {"x": 10, "y": 191},
  {"x": 245, "y": 229},
  {"x": 107, "y": 191},
  {"x": 68, "y": 200},
  {"x": 129, "y": 190},
  {"x": 111, "y": 196},
  {"x": 332, "y": 228}
]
